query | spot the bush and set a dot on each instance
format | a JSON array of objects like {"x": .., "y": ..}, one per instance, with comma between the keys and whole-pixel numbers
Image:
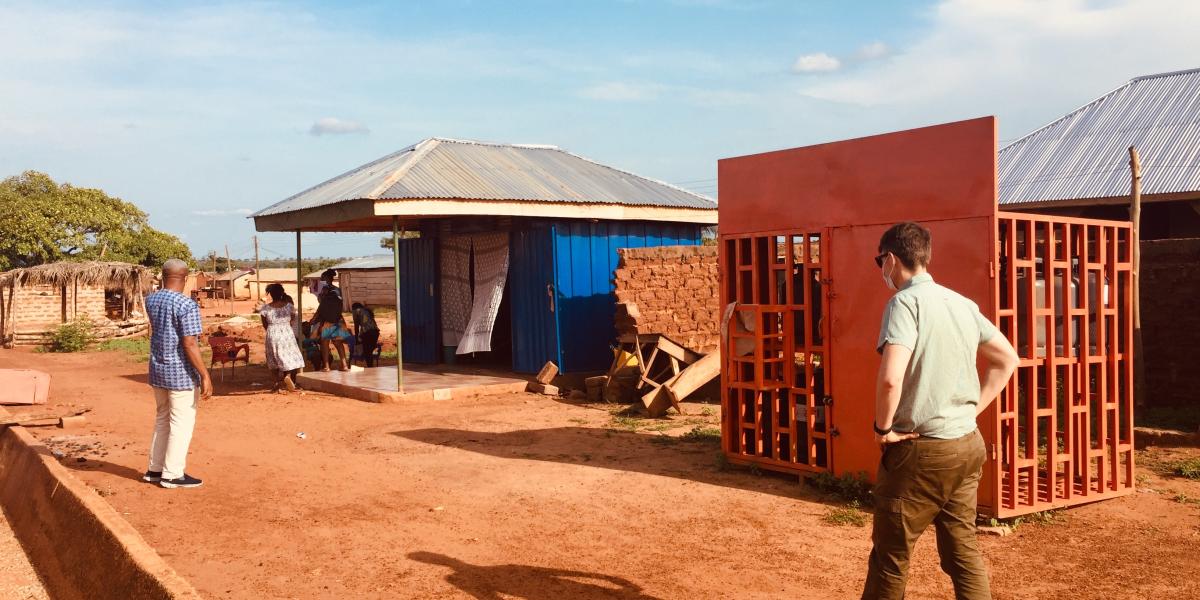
[
  {"x": 71, "y": 337},
  {"x": 1189, "y": 468},
  {"x": 852, "y": 487}
]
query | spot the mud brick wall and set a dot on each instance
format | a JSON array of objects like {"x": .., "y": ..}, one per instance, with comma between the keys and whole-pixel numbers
[
  {"x": 40, "y": 308},
  {"x": 1170, "y": 320},
  {"x": 671, "y": 290}
]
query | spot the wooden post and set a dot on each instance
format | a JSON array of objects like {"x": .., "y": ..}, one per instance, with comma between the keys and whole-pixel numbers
[
  {"x": 299, "y": 280},
  {"x": 396, "y": 268},
  {"x": 229, "y": 271},
  {"x": 257, "y": 278},
  {"x": 1135, "y": 215}
]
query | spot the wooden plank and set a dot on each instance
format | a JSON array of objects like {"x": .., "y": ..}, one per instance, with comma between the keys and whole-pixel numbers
[
  {"x": 676, "y": 351},
  {"x": 656, "y": 402},
  {"x": 693, "y": 377}
]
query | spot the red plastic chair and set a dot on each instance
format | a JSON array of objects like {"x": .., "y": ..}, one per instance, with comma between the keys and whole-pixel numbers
[{"x": 227, "y": 350}]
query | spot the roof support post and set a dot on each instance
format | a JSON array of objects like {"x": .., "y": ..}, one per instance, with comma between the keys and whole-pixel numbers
[
  {"x": 299, "y": 280},
  {"x": 396, "y": 270}
]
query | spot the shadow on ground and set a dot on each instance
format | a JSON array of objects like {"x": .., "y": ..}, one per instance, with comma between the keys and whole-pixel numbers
[
  {"x": 700, "y": 461},
  {"x": 533, "y": 583}
]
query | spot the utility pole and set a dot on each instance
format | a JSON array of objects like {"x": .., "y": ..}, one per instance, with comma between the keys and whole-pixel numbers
[
  {"x": 1135, "y": 215},
  {"x": 257, "y": 279},
  {"x": 229, "y": 271}
]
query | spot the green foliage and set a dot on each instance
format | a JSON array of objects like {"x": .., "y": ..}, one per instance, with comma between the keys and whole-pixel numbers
[
  {"x": 702, "y": 434},
  {"x": 1188, "y": 468},
  {"x": 49, "y": 222},
  {"x": 851, "y": 487},
  {"x": 850, "y": 514},
  {"x": 386, "y": 241},
  {"x": 137, "y": 348},
  {"x": 71, "y": 337}
]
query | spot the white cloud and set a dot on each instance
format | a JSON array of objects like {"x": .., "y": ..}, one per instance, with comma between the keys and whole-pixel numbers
[
  {"x": 222, "y": 212},
  {"x": 619, "y": 91},
  {"x": 818, "y": 62},
  {"x": 1021, "y": 57},
  {"x": 336, "y": 126},
  {"x": 872, "y": 51}
]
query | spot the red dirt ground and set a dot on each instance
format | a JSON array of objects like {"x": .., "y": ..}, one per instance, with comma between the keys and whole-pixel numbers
[{"x": 520, "y": 496}]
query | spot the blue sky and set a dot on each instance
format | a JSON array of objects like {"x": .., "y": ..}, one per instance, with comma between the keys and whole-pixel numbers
[{"x": 200, "y": 113}]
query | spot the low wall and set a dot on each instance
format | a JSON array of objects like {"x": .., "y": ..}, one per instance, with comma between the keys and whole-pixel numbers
[
  {"x": 1170, "y": 282},
  {"x": 79, "y": 545},
  {"x": 670, "y": 290}
]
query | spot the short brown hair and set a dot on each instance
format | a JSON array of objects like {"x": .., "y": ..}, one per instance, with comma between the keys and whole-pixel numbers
[{"x": 910, "y": 242}]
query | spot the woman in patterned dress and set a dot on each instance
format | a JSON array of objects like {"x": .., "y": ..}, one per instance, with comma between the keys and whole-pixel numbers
[{"x": 283, "y": 353}]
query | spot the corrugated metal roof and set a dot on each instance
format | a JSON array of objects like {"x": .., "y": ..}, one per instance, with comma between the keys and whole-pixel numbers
[
  {"x": 442, "y": 168},
  {"x": 1085, "y": 154},
  {"x": 377, "y": 261}
]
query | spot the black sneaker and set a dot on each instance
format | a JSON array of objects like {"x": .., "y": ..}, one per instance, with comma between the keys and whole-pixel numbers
[
  {"x": 187, "y": 481},
  {"x": 152, "y": 476}
]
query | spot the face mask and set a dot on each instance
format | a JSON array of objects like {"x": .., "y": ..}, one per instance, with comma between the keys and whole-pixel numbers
[{"x": 887, "y": 279}]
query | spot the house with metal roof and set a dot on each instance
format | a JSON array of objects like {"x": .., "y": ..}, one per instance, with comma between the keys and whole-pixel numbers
[
  {"x": 504, "y": 253},
  {"x": 1079, "y": 164}
]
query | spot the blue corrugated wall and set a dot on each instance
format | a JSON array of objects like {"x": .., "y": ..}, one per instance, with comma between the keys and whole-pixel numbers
[
  {"x": 585, "y": 257},
  {"x": 535, "y": 328}
]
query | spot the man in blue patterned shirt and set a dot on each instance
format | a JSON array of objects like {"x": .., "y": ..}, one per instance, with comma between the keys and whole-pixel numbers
[{"x": 176, "y": 370}]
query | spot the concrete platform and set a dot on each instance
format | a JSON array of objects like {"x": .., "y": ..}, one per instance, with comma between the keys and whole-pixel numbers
[{"x": 435, "y": 382}]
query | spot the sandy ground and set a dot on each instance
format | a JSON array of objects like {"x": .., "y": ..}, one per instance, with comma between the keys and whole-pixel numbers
[
  {"x": 18, "y": 580},
  {"x": 522, "y": 496}
]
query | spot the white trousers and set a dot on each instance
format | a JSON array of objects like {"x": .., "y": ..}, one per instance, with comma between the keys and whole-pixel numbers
[{"x": 173, "y": 424}]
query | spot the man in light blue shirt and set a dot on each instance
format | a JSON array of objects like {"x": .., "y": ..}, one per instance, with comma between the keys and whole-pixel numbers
[
  {"x": 928, "y": 394},
  {"x": 177, "y": 375}
]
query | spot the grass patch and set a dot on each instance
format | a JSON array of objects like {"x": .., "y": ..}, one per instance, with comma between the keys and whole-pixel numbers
[
  {"x": 1045, "y": 517},
  {"x": 388, "y": 354},
  {"x": 704, "y": 435},
  {"x": 137, "y": 348},
  {"x": 851, "y": 487},
  {"x": 1186, "y": 499},
  {"x": 708, "y": 411},
  {"x": 1188, "y": 468},
  {"x": 849, "y": 515}
]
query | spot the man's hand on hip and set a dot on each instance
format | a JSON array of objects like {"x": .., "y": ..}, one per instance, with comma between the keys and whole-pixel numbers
[{"x": 892, "y": 437}]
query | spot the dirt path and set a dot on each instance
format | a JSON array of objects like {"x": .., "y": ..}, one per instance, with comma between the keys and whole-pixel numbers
[
  {"x": 18, "y": 580},
  {"x": 522, "y": 496}
]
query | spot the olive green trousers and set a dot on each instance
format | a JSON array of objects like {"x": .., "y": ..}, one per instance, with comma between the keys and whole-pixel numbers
[{"x": 923, "y": 481}]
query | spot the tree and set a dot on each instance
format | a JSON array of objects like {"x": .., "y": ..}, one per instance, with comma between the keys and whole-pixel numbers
[
  {"x": 386, "y": 241},
  {"x": 44, "y": 221}
]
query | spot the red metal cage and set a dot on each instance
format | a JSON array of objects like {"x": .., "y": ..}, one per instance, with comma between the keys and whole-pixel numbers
[{"x": 799, "y": 229}]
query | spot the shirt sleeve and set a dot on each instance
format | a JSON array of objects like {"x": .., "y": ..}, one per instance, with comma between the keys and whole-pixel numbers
[
  {"x": 899, "y": 326},
  {"x": 987, "y": 330},
  {"x": 189, "y": 320}
]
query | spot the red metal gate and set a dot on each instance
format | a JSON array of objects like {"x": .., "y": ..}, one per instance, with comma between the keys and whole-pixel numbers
[
  {"x": 775, "y": 374},
  {"x": 1065, "y": 422}
]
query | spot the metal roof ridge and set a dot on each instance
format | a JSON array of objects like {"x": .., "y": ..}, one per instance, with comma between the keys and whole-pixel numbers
[
  {"x": 496, "y": 144},
  {"x": 1165, "y": 74}
]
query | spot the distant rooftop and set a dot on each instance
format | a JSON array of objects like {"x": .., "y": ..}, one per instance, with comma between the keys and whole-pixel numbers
[
  {"x": 1085, "y": 154},
  {"x": 449, "y": 169}
]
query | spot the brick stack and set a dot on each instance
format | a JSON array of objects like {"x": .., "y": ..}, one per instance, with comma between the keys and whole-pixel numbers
[
  {"x": 1170, "y": 320},
  {"x": 670, "y": 290}
]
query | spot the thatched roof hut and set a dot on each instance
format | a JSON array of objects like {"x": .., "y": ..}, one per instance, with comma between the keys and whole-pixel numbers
[{"x": 35, "y": 300}]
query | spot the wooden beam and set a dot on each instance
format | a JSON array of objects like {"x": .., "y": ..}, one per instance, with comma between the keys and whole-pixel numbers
[{"x": 1135, "y": 237}]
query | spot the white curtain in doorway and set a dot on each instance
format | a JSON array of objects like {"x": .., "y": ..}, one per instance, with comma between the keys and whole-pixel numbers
[
  {"x": 455, "y": 286},
  {"x": 491, "y": 271}
]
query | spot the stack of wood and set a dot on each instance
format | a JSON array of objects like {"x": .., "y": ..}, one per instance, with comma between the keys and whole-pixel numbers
[{"x": 667, "y": 372}]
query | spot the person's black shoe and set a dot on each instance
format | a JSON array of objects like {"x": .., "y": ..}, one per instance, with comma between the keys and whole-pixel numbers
[
  {"x": 152, "y": 476},
  {"x": 187, "y": 481}
]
